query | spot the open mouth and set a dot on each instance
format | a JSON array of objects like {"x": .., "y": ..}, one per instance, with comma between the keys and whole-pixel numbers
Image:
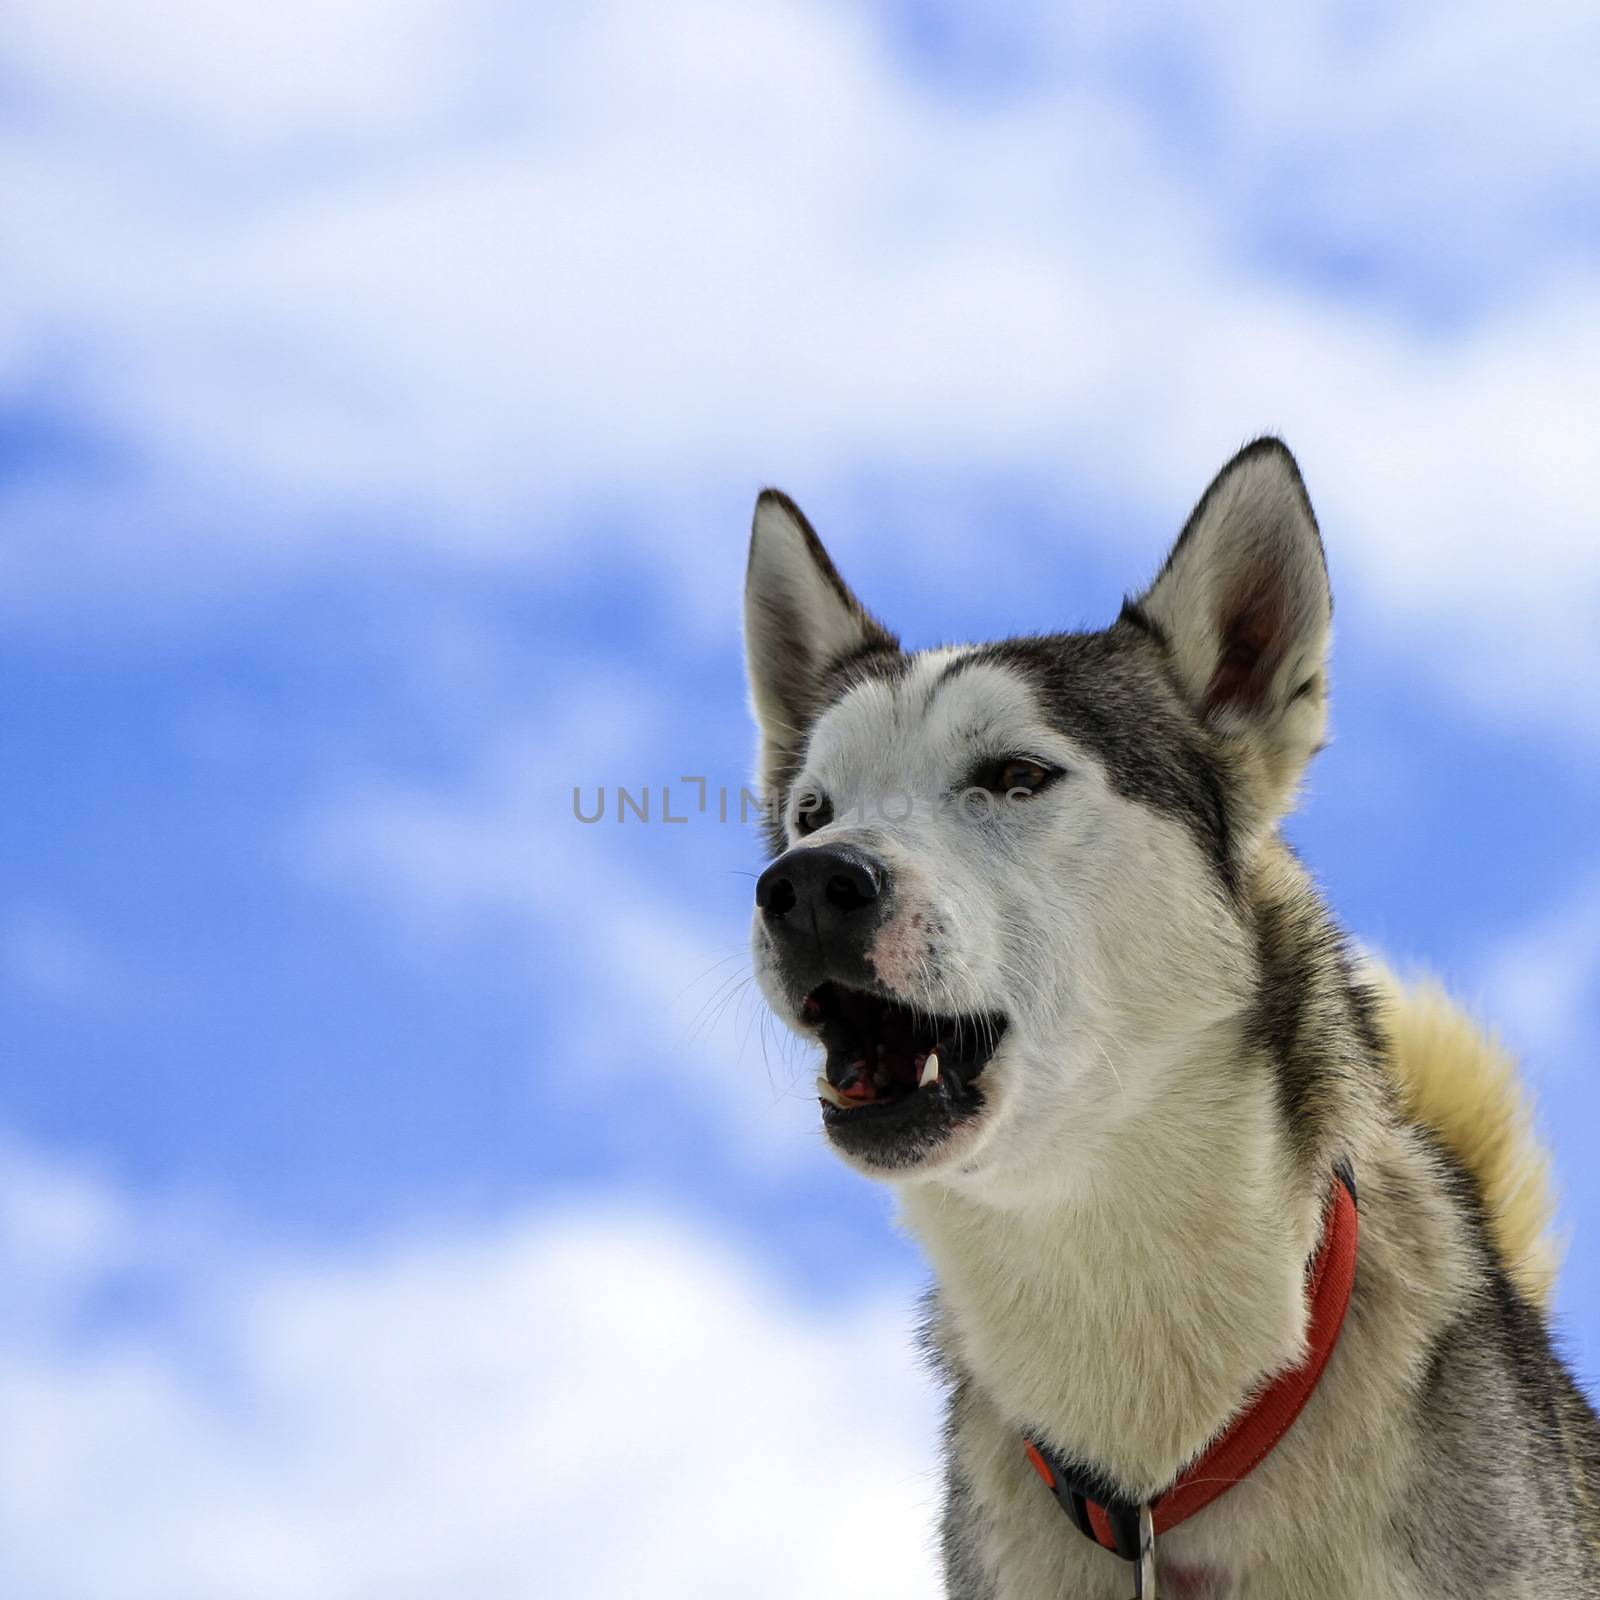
[{"x": 883, "y": 1056}]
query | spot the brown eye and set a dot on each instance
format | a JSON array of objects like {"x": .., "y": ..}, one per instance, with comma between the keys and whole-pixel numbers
[
  {"x": 1024, "y": 775},
  {"x": 812, "y": 811},
  {"x": 1016, "y": 777}
]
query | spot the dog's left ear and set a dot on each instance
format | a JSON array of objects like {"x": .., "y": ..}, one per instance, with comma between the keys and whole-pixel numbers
[
  {"x": 1244, "y": 604},
  {"x": 800, "y": 618}
]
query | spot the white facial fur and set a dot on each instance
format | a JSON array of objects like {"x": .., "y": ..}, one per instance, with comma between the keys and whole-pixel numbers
[{"x": 1090, "y": 921}]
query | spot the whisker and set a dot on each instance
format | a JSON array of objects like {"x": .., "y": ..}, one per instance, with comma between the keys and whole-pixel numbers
[
  {"x": 712, "y": 1008},
  {"x": 701, "y": 978}
]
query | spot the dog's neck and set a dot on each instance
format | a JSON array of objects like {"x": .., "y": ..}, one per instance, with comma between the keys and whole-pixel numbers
[{"x": 1125, "y": 1318}]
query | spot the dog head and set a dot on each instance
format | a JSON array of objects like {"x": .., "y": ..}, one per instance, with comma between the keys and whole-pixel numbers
[{"x": 1005, "y": 893}]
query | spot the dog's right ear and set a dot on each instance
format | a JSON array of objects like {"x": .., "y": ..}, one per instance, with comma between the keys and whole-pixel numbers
[
  {"x": 1244, "y": 608},
  {"x": 800, "y": 618}
]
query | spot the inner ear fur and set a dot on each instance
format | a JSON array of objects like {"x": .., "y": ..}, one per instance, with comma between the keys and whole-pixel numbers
[
  {"x": 1244, "y": 606},
  {"x": 801, "y": 619}
]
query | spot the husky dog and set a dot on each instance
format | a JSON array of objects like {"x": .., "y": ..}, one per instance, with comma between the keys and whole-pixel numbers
[{"x": 1086, "y": 1012}]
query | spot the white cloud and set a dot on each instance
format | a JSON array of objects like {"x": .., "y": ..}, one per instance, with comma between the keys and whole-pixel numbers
[
  {"x": 638, "y": 259},
  {"x": 574, "y": 1404},
  {"x": 245, "y": 75}
]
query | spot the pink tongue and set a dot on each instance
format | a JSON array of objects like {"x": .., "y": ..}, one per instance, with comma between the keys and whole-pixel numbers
[{"x": 862, "y": 1088}]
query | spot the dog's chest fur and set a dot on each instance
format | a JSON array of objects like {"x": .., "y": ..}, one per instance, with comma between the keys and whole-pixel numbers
[
  {"x": 1413, "y": 1471},
  {"x": 1126, "y": 1313}
]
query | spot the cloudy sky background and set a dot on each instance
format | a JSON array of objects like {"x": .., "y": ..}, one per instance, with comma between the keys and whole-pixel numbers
[{"x": 401, "y": 1192}]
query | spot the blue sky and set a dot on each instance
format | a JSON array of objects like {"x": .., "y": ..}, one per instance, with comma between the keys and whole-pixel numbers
[{"x": 383, "y": 393}]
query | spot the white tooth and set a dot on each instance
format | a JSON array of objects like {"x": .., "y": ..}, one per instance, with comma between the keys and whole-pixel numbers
[
  {"x": 930, "y": 1070},
  {"x": 832, "y": 1095}
]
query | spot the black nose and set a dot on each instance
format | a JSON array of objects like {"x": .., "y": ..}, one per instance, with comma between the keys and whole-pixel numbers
[{"x": 830, "y": 884}]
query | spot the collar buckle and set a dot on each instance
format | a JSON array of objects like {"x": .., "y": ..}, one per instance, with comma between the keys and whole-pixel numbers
[{"x": 1126, "y": 1527}]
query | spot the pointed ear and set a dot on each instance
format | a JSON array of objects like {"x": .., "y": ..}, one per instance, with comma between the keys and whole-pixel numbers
[
  {"x": 1244, "y": 605},
  {"x": 799, "y": 619}
]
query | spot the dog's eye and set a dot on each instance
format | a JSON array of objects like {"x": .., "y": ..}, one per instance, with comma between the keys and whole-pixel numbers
[
  {"x": 1015, "y": 777},
  {"x": 813, "y": 810}
]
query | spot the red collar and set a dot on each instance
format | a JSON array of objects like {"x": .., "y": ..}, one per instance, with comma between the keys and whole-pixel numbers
[{"x": 1112, "y": 1521}]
